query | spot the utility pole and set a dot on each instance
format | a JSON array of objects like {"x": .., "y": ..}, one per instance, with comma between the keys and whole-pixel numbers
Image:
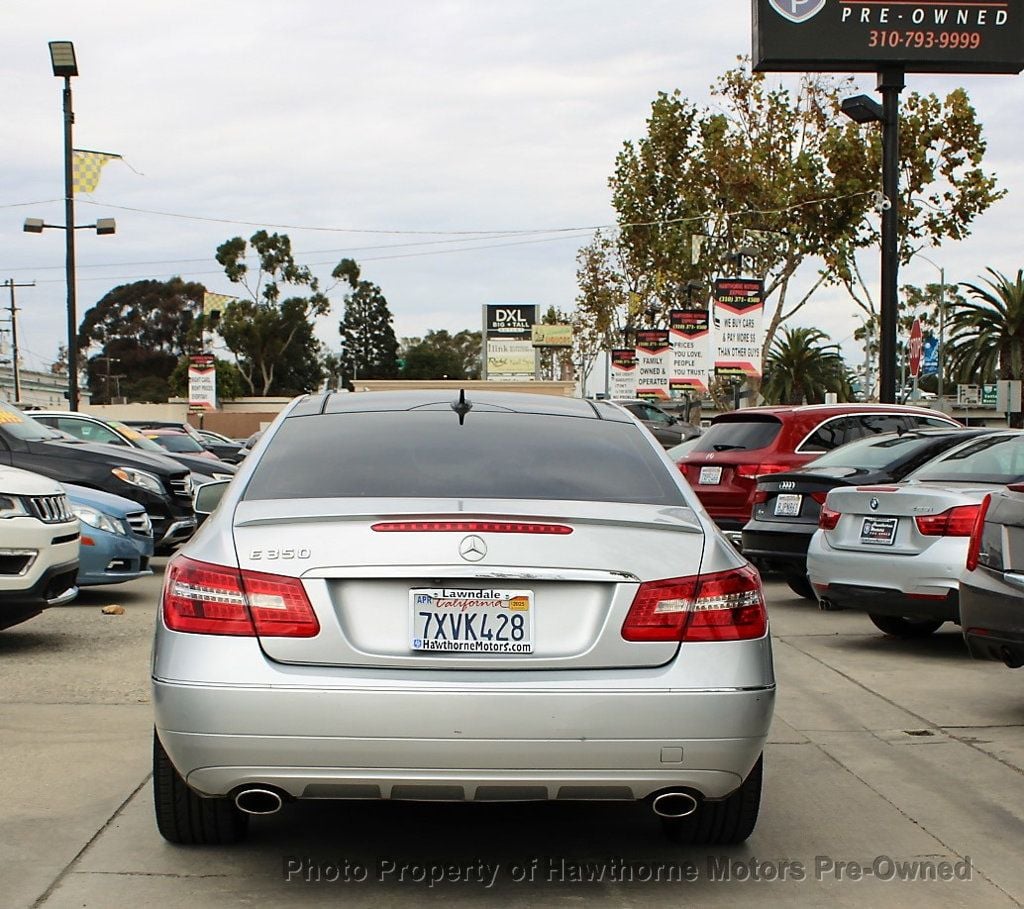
[
  {"x": 14, "y": 336},
  {"x": 108, "y": 376}
]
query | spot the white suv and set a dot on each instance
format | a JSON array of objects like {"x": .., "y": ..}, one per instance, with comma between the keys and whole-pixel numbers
[{"x": 39, "y": 540}]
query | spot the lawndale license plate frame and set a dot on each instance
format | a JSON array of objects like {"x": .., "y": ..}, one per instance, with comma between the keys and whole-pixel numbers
[
  {"x": 471, "y": 620},
  {"x": 788, "y": 505}
]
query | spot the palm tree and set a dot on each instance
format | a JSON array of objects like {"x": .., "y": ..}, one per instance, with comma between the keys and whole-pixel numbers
[
  {"x": 987, "y": 333},
  {"x": 799, "y": 367}
]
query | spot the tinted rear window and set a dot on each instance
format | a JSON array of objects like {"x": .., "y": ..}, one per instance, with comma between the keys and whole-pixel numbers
[
  {"x": 873, "y": 452},
  {"x": 998, "y": 459},
  {"x": 738, "y": 435},
  {"x": 426, "y": 454}
]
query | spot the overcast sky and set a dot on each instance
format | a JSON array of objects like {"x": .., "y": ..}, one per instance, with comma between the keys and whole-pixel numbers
[{"x": 354, "y": 125}]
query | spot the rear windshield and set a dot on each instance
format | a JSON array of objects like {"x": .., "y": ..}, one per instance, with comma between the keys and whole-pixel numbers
[
  {"x": 998, "y": 459},
  {"x": 874, "y": 452},
  {"x": 427, "y": 454},
  {"x": 738, "y": 435}
]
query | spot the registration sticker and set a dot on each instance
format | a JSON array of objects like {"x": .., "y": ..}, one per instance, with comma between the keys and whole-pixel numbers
[
  {"x": 471, "y": 620},
  {"x": 710, "y": 476}
]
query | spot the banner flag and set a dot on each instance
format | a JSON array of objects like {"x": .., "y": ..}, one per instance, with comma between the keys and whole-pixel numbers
[{"x": 86, "y": 167}]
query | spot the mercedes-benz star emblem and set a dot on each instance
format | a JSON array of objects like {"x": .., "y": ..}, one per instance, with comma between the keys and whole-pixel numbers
[
  {"x": 873, "y": 504},
  {"x": 472, "y": 549}
]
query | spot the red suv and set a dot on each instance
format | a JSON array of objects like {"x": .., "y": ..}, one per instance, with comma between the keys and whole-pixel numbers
[{"x": 742, "y": 445}]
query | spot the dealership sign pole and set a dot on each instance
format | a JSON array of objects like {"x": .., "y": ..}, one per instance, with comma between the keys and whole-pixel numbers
[{"x": 891, "y": 39}]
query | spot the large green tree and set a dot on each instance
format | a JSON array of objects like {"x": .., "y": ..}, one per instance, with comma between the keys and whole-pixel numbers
[
  {"x": 765, "y": 180},
  {"x": 140, "y": 330},
  {"x": 802, "y": 368},
  {"x": 271, "y": 331},
  {"x": 440, "y": 354},
  {"x": 369, "y": 346}
]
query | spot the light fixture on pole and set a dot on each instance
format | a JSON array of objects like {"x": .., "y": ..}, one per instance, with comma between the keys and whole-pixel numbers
[{"x": 65, "y": 65}]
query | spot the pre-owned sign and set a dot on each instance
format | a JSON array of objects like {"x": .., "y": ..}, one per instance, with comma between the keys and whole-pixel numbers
[{"x": 926, "y": 36}]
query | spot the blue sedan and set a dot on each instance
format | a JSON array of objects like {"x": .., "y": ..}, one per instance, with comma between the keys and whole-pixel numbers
[{"x": 117, "y": 537}]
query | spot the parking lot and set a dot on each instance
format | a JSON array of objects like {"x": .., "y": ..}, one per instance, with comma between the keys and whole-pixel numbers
[{"x": 893, "y": 776}]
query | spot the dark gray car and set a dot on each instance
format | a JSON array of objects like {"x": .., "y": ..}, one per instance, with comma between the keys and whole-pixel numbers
[{"x": 667, "y": 429}]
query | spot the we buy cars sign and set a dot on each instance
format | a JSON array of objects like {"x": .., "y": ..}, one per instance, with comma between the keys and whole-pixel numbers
[{"x": 916, "y": 347}]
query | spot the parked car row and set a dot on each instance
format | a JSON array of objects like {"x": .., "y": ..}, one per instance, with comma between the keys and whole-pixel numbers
[
  {"x": 85, "y": 501},
  {"x": 907, "y": 516}
]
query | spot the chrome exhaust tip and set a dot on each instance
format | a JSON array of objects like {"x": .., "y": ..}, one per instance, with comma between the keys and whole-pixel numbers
[
  {"x": 258, "y": 801},
  {"x": 674, "y": 804}
]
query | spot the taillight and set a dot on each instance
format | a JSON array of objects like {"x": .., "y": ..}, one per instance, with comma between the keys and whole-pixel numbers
[
  {"x": 726, "y": 606},
  {"x": 819, "y": 497},
  {"x": 953, "y": 522},
  {"x": 200, "y": 598},
  {"x": 760, "y": 496},
  {"x": 752, "y": 471},
  {"x": 828, "y": 518},
  {"x": 974, "y": 548},
  {"x": 470, "y": 527}
]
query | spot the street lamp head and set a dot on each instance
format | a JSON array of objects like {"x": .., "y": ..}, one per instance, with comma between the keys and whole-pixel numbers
[
  {"x": 105, "y": 226},
  {"x": 862, "y": 109},
  {"x": 33, "y": 225},
  {"x": 62, "y": 56}
]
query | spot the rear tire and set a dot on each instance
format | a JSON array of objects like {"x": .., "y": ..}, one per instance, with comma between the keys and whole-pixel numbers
[
  {"x": 725, "y": 823},
  {"x": 183, "y": 817},
  {"x": 897, "y": 627},
  {"x": 799, "y": 584}
]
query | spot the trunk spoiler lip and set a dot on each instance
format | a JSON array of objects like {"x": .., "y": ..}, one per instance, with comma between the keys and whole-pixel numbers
[{"x": 490, "y": 573}]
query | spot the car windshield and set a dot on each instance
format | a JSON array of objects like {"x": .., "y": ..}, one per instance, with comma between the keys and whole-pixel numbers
[
  {"x": 136, "y": 437},
  {"x": 22, "y": 426},
  {"x": 874, "y": 452},
  {"x": 990, "y": 459},
  {"x": 737, "y": 435},
  {"x": 427, "y": 454},
  {"x": 181, "y": 444}
]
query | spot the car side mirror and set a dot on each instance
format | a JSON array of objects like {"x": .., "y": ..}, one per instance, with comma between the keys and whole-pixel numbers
[{"x": 207, "y": 497}]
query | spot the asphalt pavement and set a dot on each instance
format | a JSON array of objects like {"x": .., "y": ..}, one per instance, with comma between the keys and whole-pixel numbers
[{"x": 894, "y": 776}]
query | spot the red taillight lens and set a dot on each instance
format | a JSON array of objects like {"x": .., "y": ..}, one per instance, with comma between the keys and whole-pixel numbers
[
  {"x": 760, "y": 496},
  {"x": 819, "y": 497},
  {"x": 974, "y": 548},
  {"x": 954, "y": 522},
  {"x": 752, "y": 471},
  {"x": 828, "y": 518},
  {"x": 727, "y": 606},
  {"x": 200, "y": 598},
  {"x": 470, "y": 527}
]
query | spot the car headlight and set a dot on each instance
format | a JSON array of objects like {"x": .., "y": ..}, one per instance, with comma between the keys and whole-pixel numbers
[
  {"x": 99, "y": 520},
  {"x": 139, "y": 478},
  {"x": 12, "y": 507}
]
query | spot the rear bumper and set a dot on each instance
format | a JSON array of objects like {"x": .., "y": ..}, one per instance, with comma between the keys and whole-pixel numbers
[
  {"x": 993, "y": 619},
  {"x": 465, "y": 736},
  {"x": 889, "y": 602},
  {"x": 783, "y": 549}
]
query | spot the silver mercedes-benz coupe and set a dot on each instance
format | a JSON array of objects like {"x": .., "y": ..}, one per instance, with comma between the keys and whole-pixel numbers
[{"x": 452, "y": 596}]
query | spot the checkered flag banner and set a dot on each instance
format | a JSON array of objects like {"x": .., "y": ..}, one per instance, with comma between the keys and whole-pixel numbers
[
  {"x": 86, "y": 167},
  {"x": 215, "y": 303}
]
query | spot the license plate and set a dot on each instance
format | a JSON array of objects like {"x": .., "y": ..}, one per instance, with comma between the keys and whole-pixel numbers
[
  {"x": 471, "y": 620},
  {"x": 788, "y": 505},
  {"x": 710, "y": 476},
  {"x": 878, "y": 531}
]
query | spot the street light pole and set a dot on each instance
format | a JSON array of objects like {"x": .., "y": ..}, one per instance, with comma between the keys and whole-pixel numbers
[
  {"x": 890, "y": 84},
  {"x": 14, "y": 337}
]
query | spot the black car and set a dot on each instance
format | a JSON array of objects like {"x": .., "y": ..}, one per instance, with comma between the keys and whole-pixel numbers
[
  {"x": 224, "y": 449},
  {"x": 992, "y": 589},
  {"x": 667, "y": 429},
  {"x": 162, "y": 486},
  {"x": 111, "y": 432},
  {"x": 787, "y": 505}
]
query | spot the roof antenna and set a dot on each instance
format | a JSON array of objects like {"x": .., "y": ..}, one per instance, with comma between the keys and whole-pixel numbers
[{"x": 462, "y": 406}]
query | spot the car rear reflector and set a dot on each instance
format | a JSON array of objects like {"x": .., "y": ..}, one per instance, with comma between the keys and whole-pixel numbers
[
  {"x": 200, "y": 598},
  {"x": 953, "y": 522},
  {"x": 470, "y": 527},
  {"x": 726, "y": 606},
  {"x": 974, "y": 548},
  {"x": 828, "y": 518},
  {"x": 750, "y": 471}
]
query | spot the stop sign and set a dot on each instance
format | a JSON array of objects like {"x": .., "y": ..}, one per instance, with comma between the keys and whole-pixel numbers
[{"x": 916, "y": 346}]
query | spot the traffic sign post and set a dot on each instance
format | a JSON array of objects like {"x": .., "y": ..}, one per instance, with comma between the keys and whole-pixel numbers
[{"x": 916, "y": 346}]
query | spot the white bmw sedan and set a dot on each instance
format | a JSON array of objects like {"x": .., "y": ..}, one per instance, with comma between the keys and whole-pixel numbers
[{"x": 433, "y": 596}]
